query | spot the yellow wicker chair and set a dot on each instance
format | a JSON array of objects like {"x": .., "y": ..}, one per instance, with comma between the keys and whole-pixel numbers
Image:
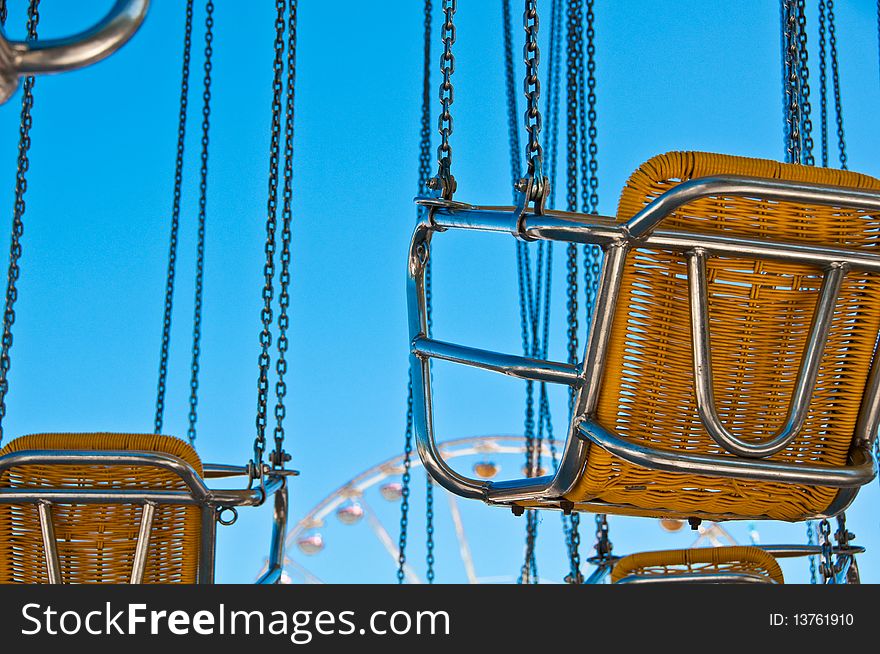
[
  {"x": 728, "y": 370},
  {"x": 742, "y": 564},
  {"x": 759, "y": 312},
  {"x": 97, "y": 542}
]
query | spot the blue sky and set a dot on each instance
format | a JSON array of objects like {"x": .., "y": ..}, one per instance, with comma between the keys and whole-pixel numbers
[{"x": 697, "y": 75}]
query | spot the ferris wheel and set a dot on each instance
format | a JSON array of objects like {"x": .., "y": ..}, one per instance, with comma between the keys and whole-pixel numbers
[
  {"x": 353, "y": 502},
  {"x": 360, "y": 500}
]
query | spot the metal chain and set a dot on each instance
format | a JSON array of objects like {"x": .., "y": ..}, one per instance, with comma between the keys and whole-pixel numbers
[
  {"x": 843, "y": 536},
  {"x": 574, "y": 59},
  {"x": 271, "y": 226},
  {"x": 603, "y": 542},
  {"x": 279, "y": 457},
  {"x": 429, "y": 528},
  {"x": 592, "y": 203},
  {"x": 823, "y": 85},
  {"x": 532, "y": 90},
  {"x": 175, "y": 221},
  {"x": 203, "y": 200},
  {"x": 510, "y": 86},
  {"x": 835, "y": 81},
  {"x": 811, "y": 540},
  {"x": 424, "y": 172},
  {"x": 826, "y": 563},
  {"x": 806, "y": 125},
  {"x": 405, "y": 490},
  {"x": 19, "y": 206},
  {"x": 790, "y": 82},
  {"x": 444, "y": 182}
]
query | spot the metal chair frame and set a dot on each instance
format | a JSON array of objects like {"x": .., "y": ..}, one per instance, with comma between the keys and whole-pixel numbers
[
  {"x": 845, "y": 568},
  {"x": 617, "y": 240},
  {"x": 21, "y": 58},
  {"x": 211, "y": 502}
]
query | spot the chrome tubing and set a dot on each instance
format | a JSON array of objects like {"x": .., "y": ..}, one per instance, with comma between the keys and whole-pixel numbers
[
  {"x": 858, "y": 473},
  {"x": 506, "y": 364},
  {"x": 618, "y": 240},
  {"x": 279, "y": 534},
  {"x": 139, "y": 565},
  {"x": 648, "y": 218},
  {"x": 22, "y": 58},
  {"x": 807, "y": 374},
  {"x": 50, "y": 545}
]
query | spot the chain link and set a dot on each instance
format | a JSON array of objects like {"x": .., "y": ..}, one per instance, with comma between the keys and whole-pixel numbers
[
  {"x": 444, "y": 182},
  {"x": 835, "y": 81},
  {"x": 804, "y": 86},
  {"x": 429, "y": 528},
  {"x": 23, "y": 164},
  {"x": 811, "y": 540},
  {"x": 532, "y": 90},
  {"x": 279, "y": 457},
  {"x": 405, "y": 490},
  {"x": 826, "y": 562},
  {"x": 791, "y": 86},
  {"x": 823, "y": 85},
  {"x": 175, "y": 221},
  {"x": 200, "y": 248},
  {"x": 271, "y": 226},
  {"x": 510, "y": 86},
  {"x": 424, "y": 172}
]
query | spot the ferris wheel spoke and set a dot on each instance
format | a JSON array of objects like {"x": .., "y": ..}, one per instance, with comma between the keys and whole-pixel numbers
[
  {"x": 463, "y": 546},
  {"x": 385, "y": 539}
]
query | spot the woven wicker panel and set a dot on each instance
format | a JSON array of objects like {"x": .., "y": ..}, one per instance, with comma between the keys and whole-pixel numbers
[
  {"x": 760, "y": 314},
  {"x": 96, "y": 542},
  {"x": 706, "y": 560}
]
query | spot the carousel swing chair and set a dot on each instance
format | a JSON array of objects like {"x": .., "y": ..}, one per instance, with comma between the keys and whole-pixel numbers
[
  {"x": 132, "y": 508},
  {"x": 729, "y": 372}
]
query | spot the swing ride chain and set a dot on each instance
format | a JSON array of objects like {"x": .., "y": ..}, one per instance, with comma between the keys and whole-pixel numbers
[
  {"x": 424, "y": 172},
  {"x": 589, "y": 164},
  {"x": 510, "y": 84},
  {"x": 826, "y": 564},
  {"x": 444, "y": 182},
  {"x": 843, "y": 537},
  {"x": 405, "y": 491},
  {"x": 793, "y": 144},
  {"x": 811, "y": 540},
  {"x": 574, "y": 61},
  {"x": 278, "y": 457},
  {"x": 203, "y": 199},
  {"x": 271, "y": 225},
  {"x": 429, "y": 528},
  {"x": 24, "y": 145},
  {"x": 835, "y": 82},
  {"x": 534, "y": 185},
  {"x": 175, "y": 222},
  {"x": 823, "y": 84},
  {"x": 806, "y": 126}
]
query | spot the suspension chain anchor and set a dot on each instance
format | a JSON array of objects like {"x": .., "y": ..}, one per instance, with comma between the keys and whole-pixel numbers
[
  {"x": 444, "y": 184},
  {"x": 278, "y": 459}
]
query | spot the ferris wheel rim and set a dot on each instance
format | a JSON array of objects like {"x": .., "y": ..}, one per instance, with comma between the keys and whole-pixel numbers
[{"x": 361, "y": 482}]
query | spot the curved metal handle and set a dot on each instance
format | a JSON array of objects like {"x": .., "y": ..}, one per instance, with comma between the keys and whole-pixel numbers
[
  {"x": 807, "y": 375},
  {"x": 21, "y": 58}
]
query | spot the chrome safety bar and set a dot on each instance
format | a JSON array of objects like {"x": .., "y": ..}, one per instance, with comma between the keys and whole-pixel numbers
[
  {"x": 210, "y": 501},
  {"x": 22, "y": 58},
  {"x": 617, "y": 240}
]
